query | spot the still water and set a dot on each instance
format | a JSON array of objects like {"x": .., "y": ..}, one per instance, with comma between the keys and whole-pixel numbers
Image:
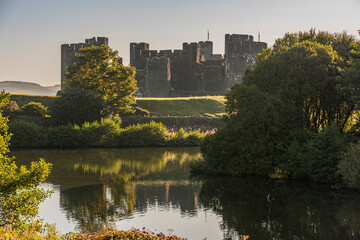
[{"x": 150, "y": 188}]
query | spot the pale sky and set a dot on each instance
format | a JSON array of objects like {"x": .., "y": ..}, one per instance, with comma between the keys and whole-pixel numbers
[{"x": 31, "y": 31}]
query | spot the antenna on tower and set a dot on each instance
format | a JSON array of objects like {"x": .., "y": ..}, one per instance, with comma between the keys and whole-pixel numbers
[
  {"x": 208, "y": 35},
  {"x": 258, "y": 35}
]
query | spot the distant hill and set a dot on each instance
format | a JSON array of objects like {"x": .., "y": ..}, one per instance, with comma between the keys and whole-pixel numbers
[{"x": 19, "y": 87}]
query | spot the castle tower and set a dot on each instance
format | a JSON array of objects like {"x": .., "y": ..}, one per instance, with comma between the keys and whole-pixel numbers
[
  {"x": 138, "y": 54},
  {"x": 206, "y": 50},
  {"x": 69, "y": 51},
  {"x": 240, "y": 53}
]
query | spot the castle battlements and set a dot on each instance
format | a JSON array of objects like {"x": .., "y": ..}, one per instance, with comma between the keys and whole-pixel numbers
[{"x": 191, "y": 71}]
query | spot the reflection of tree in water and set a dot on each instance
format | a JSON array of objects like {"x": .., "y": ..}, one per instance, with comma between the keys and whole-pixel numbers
[
  {"x": 101, "y": 186},
  {"x": 267, "y": 209}
]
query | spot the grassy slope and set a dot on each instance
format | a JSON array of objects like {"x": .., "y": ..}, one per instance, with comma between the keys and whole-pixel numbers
[{"x": 194, "y": 106}]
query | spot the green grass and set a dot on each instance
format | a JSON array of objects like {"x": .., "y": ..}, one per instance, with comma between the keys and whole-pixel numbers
[
  {"x": 190, "y": 106},
  {"x": 186, "y": 106}
]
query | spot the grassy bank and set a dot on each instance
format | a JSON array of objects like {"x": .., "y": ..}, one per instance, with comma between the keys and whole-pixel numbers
[{"x": 190, "y": 106}]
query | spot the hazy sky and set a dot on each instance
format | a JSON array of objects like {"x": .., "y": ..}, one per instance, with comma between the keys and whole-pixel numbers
[{"x": 31, "y": 31}]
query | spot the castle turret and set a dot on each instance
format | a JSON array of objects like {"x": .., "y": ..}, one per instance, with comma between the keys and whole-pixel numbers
[
  {"x": 240, "y": 53},
  {"x": 69, "y": 52}
]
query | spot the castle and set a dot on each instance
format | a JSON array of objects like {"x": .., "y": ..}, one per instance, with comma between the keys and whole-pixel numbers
[{"x": 192, "y": 71}]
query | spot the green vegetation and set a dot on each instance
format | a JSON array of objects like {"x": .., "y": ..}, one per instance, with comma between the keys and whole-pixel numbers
[
  {"x": 106, "y": 133},
  {"x": 19, "y": 192},
  {"x": 194, "y": 106},
  {"x": 98, "y": 70},
  {"x": 11, "y": 109},
  {"x": 22, "y": 100},
  {"x": 293, "y": 112},
  {"x": 190, "y": 106},
  {"x": 77, "y": 106},
  {"x": 34, "y": 109}
]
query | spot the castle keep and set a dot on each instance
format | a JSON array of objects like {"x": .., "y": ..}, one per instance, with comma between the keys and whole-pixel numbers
[{"x": 192, "y": 71}]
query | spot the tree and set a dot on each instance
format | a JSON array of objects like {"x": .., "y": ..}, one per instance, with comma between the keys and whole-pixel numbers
[
  {"x": 19, "y": 192},
  {"x": 98, "y": 70},
  {"x": 294, "y": 89}
]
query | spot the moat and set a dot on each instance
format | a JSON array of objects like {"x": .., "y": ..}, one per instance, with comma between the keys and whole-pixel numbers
[{"x": 152, "y": 188}]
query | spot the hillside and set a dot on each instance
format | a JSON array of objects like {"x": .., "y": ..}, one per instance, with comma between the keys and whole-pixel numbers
[{"x": 18, "y": 87}]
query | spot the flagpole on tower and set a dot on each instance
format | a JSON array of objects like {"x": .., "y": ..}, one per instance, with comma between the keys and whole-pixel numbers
[{"x": 208, "y": 35}]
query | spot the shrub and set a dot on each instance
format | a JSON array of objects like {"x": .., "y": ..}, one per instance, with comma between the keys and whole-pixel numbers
[
  {"x": 98, "y": 134},
  {"x": 349, "y": 166},
  {"x": 144, "y": 135},
  {"x": 34, "y": 109},
  {"x": 26, "y": 134},
  {"x": 77, "y": 106},
  {"x": 11, "y": 108},
  {"x": 183, "y": 138},
  {"x": 64, "y": 136}
]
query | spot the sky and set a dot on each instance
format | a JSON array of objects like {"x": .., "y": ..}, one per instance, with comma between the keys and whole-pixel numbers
[{"x": 32, "y": 31}]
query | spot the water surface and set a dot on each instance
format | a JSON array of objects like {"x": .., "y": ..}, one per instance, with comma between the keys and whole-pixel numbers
[{"x": 150, "y": 187}]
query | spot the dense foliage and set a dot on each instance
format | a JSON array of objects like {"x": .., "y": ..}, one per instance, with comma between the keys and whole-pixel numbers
[
  {"x": 98, "y": 70},
  {"x": 19, "y": 192},
  {"x": 290, "y": 113},
  {"x": 104, "y": 133},
  {"x": 34, "y": 109},
  {"x": 77, "y": 106}
]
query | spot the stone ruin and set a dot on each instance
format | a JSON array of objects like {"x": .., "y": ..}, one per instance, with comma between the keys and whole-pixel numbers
[{"x": 192, "y": 71}]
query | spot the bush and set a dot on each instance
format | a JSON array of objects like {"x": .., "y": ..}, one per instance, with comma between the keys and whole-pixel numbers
[
  {"x": 77, "y": 106},
  {"x": 349, "y": 166},
  {"x": 11, "y": 108},
  {"x": 106, "y": 133},
  {"x": 64, "y": 136},
  {"x": 26, "y": 134},
  {"x": 34, "y": 109},
  {"x": 97, "y": 134},
  {"x": 183, "y": 138},
  {"x": 143, "y": 135}
]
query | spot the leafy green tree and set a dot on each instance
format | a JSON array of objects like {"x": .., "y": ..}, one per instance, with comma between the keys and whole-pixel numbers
[
  {"x": 350, "y": 85},
  {"x": 19, "y": 192},
  {"x": 98, "y": 70},
  {"x": 294, "y": 89}
]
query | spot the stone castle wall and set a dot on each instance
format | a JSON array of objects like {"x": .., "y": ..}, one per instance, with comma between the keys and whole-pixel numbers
[
  {"x": 240, "y": 53},
  {"x": 191, "y": 71}
]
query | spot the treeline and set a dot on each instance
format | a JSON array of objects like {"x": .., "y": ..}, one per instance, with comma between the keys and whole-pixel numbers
[
  {"x": 105, "y": 133},
  {"x": 295, "y": 115}
]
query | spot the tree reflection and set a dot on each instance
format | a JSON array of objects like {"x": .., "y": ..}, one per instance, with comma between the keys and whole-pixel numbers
[
  {"x": 99, "y": 187},
  {"x": 266, "y": 209}
]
